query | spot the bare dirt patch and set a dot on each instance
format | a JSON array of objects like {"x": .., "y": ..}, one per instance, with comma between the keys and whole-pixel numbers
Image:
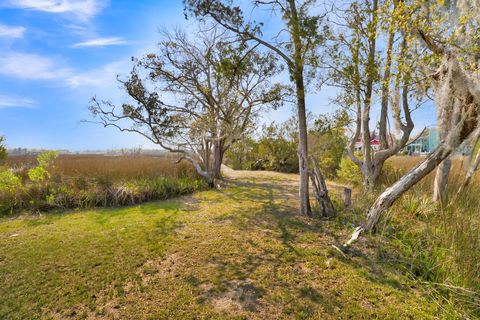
[{"x": 235, "y": 295}]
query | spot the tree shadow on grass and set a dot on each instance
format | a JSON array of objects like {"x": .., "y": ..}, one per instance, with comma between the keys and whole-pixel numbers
[{"x": 287, "y": 226}]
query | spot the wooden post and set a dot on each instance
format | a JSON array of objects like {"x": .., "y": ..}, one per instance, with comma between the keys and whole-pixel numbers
[{"x": 347, "y": 197}]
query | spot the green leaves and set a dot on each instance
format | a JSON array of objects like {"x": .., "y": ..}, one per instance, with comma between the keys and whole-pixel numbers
[
  {"x": 9, "y": 182},
  {"x": 40, "y": 173}
]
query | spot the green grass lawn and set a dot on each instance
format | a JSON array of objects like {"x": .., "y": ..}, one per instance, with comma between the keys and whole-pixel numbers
[{"x": 240, "y": 252}]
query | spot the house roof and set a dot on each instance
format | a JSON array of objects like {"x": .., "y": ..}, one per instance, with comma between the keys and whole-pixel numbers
[{"x": 374, "y": 139}]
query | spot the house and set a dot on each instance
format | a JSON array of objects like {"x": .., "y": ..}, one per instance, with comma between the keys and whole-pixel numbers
[
  {"x": 374, "y": 143},
  {"x": 428, "y": 142},
  {"x": 423, "y": 144}
]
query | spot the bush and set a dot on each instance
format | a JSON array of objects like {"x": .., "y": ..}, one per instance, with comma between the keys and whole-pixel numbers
[
  {"x": 40, "y": 173},
  {"x": 277, "y": 147},
  {"x": 9, "y": 182},
  {"x": 349, "y": 172}
]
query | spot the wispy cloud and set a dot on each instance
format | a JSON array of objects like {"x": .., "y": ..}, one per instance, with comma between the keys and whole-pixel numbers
[
  {"x": 10, "y": 102},
  {"x": 11, "y": 32},
  {"x": 31, "y": 66},
  {"x": 103, "y": 76},
  {"x": 101, "y": 42},
  {"x": 35, "y": 67},
  {"x": 84, "y": 9},
  {"x": 78, "y": 29}
]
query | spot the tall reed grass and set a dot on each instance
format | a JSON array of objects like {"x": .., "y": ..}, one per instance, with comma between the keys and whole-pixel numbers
[
  {"x": 87, "y": 181},
  {"x": 438, "y": 244}
]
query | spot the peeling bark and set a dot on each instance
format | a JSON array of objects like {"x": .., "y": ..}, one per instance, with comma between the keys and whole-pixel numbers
[
  {"x": 440, "y": 185},
  {"x": 321, "y": 191},
  {"x": 218, "y": 153}
]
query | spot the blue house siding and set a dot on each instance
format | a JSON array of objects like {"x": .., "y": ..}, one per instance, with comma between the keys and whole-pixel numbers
[{"x": 433, "y": 139}]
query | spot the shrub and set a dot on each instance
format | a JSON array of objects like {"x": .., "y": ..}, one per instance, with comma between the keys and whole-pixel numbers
[
  {"x": 9, "y": 182},
  {"x": 40, "y": 173},
  {"x": 349, "y": 172}
]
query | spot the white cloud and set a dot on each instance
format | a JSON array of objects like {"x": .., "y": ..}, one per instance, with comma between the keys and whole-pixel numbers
[
  {"x": 11, "y": 32},
  {"x": 9, "y": 102},
  {"x": 78, "y": 29},
  {"x": 35, "y": 67},
  {"x": 84, "y": 9},
  {"x": 103, "y": 76},
  {"x": 31, "y": 66},
  {"x": 101, "y": 42}
]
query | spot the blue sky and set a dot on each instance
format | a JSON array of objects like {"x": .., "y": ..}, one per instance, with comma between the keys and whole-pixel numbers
[{"x": 56, "y": 54}]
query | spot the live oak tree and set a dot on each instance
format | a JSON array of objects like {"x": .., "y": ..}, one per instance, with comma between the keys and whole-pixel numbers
[
  {"x": 296, "y": 43},
  {"x": 196, "y": 97},
  {"x": 449, "y": 31},
  {"x": 365, "y": 74}
]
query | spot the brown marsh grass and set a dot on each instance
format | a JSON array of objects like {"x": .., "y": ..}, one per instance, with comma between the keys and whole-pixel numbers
[
  {"x": 459, "y": 167},
  {"x": 125, "y": 167},
  {"x": 87, "y": 181}
]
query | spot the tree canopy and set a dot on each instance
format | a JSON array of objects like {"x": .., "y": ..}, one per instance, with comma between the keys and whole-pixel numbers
[{"x": 196, "y": 96}]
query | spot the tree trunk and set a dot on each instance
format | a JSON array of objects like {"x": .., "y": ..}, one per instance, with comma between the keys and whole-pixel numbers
[
  {"x": 390, "y": 195},
  {"x": 443, "y": 170},
  {"x": 368, "y": 165},
  {"x": 218, "y": 153},
  {"x": 296, "y": 71},
  {"x": 470, "y": 172},
  {"x": 440, "y": 185},
  {"x": 384, "y": 143},
  {"x": 368, "y": 183},
  {"x": 371, "y": 174},
  {"x": 204, "y": 173},
  {"x": 303, "y": 152}
]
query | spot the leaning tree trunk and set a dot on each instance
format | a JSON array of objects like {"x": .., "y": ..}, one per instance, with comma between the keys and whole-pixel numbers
[
  {"x": 208, "y": 176},
  {"x": 390, "y": 195},
  {"x": 440, "y": 185}
]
